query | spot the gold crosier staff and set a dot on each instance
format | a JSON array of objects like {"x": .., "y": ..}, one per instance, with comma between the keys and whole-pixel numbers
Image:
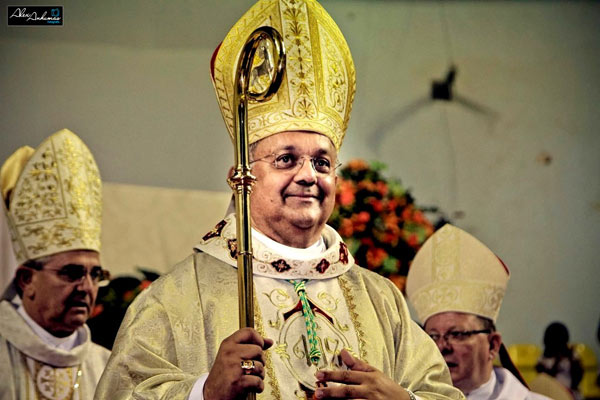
[{"x": 242, "y": 180}]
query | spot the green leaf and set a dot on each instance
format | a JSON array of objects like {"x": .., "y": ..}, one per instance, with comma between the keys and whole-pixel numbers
[{"x": 390, "y": 265}]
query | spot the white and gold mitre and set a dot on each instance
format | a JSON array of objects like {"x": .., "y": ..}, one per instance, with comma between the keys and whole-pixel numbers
[
  {"x": 319, "y": 83},
  {"x": 453, "y": 271},
  {"x": 52, "y": 197}
]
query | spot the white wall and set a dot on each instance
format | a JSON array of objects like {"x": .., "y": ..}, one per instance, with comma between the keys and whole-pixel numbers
[{"x": 131, "y": 78}]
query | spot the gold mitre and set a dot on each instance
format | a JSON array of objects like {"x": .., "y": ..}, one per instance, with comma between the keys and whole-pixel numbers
[
  {"x": 453, "y": 271},
  {"x": 52, "y": 197},
  {"x": 319, "y": 83}
]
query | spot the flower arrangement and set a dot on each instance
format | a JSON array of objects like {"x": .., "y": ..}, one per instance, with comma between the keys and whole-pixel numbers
[{"x": 378, "y": 220}]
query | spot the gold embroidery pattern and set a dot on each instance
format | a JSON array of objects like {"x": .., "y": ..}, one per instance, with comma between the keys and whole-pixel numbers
[
  {"x": 459, "y": 296},
  {"x": 39, "y": 198},
  {"x": 454, "y": 271},
  {"x": 319, "y": 85},
  {"x": 446, "y": 258},
  {"x": 268, "y": 263},
  {"x": 57, "y": 201},
  {"x": 335, "y": 74},
  {"x": 275, "y": 392},
  {"x": 328, "y": 302},
  {"x": 349, "y": 297},
  {"x": 294, "y": 348},
  {"x": 281, "y": 300},
  {"x": 52, "y": 383}
]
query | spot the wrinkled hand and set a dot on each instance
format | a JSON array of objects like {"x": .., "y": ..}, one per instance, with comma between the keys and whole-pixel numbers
[
  {"x": 227, "y": 380},
  {"x": 362, "y": 381}
]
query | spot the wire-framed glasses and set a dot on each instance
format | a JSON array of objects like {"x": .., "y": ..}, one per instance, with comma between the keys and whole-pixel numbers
[
  {"x": 77, "y": 273},
  {"x": 453, "y": 337},
  {"x": 290, "y": 162}
]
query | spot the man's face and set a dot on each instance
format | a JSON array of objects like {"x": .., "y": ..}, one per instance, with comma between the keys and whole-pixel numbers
[
  {"x": 52, "y": 300},
  {"x": 470, "y": 358},
  {"x": 292, "y": 206}
]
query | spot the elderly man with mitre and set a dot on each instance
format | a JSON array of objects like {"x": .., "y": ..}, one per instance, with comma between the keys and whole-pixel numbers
[
  {"x": 456, "y": 285},
  {"x": 52, "y": 197},
  {"x": 332, "y": 329}
]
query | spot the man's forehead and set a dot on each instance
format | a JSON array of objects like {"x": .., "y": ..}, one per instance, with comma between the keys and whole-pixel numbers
[
  {"x": 450, "y": 320},
  {"x": 74, "y": 257},
  {"x": 296, "y": 140}
]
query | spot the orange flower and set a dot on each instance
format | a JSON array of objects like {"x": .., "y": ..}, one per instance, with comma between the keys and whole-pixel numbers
[
  {"x": 390, "y": 238},
  {"x": 413, "y": 240},
  {"x": 375, "y": 257},
  {"x": 382, "y": 187},
  {"x": 367, "y": 241},
  {"x": 399, "y": 281},
  {"x": 366, "y": 185},
  {"x": 363, "y": 217},
  {"x": 346, "y": 228},
  {"x": 145, "y": 283},
  {"x": 392, "y": 204},
  {"x": 407, "y": 213},
  {"x": 418, "y": 217},
  {"x": 391, "y": 221},
  {"x": 129, "y": 295},
  {"x": 98, "y": 308},
  {"x": 346, "y": 193},
  {"x": 376, "y": 204},
  {"x": 358, "y": 165}
]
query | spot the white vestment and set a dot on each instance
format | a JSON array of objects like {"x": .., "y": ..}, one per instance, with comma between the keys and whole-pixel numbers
[
  {"x": 503, "y": 386},
  {"x": 33, "y": 369}
]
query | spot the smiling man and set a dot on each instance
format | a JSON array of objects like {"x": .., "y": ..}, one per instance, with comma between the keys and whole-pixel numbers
[
  {"x": 456, "y": 285},
  {"x": 52, "y": 200},
  {"x": 325, "y": 328}
]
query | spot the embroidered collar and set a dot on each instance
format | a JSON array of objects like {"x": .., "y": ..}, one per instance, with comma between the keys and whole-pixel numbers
[{"x": 334, "y": 261}]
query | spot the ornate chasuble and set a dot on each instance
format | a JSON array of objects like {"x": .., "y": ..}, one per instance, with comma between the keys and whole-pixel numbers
[
  {"x": 172, "y": 331},
  {"x": 279, "y": 314},
  {"x": 33, "y": 370}
]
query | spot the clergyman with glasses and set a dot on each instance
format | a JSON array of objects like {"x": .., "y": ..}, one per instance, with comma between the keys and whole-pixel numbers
[
  {"x": 325, "y": 328},
  {"x": 456, "y": 285},
  {"x": 52, "y": 197}
]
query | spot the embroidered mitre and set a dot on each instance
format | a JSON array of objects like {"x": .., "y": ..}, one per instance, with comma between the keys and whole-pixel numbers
[
  {"x": 52, "y": 197},
  {"x": 319, "y": 83},
  {"x": 454, "y": 271}
]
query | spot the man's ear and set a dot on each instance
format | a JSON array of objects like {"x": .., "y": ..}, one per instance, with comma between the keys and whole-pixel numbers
[
  {"x": 23, "y": 277},
  {"x": 495, "y": 339}
]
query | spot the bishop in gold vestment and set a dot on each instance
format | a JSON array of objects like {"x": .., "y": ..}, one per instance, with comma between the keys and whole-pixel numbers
[
  {"x": 323, "y": 317},
  {"x": 171, "y": 333},
  {"x": 52, "y": 200}
]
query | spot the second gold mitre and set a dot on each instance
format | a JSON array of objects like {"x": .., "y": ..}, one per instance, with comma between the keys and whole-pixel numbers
[
  {"x": 455, "y": 272},
  {"x": 52, "y": 197},
  {"x": 319, "y": 83}
]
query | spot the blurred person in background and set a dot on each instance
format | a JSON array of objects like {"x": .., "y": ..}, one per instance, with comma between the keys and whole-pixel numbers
[
  {"x": 559, "y": 360},
  {"x": 456, "y": 285}
]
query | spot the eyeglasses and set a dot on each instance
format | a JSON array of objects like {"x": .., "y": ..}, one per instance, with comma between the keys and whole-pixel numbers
[
  {"x": 292, "y": 163},
  {"x": 453, "y": 337},
  {"x": 77, "y": 273}
]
